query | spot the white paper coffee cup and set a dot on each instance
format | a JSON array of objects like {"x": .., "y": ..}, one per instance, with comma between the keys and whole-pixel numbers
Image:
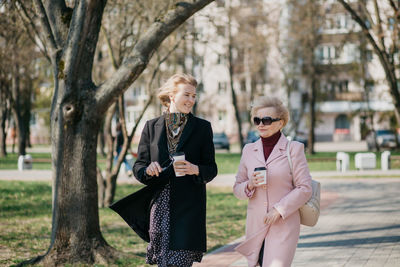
[
  {"x": 178, "y": 156},
  {"x": 262, "y": 173}
]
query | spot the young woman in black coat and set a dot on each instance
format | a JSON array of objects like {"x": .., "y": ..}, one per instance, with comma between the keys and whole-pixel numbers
[{"x": 177, "y": 229}]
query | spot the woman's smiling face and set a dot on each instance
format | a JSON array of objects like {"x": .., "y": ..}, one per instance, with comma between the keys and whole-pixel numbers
[{"x": 184, "y": 99}]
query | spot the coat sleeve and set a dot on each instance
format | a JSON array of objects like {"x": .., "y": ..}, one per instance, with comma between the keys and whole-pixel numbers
[
  {"x": 302, "y": 190},
  {"x": 144, "y": 159},
  {"x": 207, "y": 167},
  {"x": 240, "y": 189}
]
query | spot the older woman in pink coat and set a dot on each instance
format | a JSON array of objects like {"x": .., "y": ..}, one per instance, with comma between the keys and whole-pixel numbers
[{"x": 273, "y": 219}]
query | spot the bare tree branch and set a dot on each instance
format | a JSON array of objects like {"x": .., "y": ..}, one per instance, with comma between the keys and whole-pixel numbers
[
  {"x": 380, "y": 33},
  {"x": 28, "y": 21},
  {"x": 395, "y": 8},
  {"x": 381, "y": 53},
  {"x": 110, "y": 50},
  {"x": 46, "y": 26},
  {"x": 136, "y": 62}
]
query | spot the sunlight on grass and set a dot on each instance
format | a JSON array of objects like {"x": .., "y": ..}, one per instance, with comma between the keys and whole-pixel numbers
[{"x": 25, "y": 222}]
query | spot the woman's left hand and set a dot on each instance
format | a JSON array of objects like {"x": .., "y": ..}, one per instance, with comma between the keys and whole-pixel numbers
[
  {"x": 271, "y": 217},
  {"x": 187, "y": 168}
]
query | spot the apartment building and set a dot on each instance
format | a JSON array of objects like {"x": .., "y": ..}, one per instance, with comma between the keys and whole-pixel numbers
[{"x": 347, "y": 68}]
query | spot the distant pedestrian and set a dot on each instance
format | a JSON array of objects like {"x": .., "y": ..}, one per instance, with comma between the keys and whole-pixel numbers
[
  {"x": 13, "y": 135},
  {"x": 273, "y": 219},
  {"x": 118, "y": 143}
]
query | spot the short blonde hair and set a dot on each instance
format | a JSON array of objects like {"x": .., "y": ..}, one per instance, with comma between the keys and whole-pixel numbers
[
  {"x": 170, "y": 87},
  {"x": 271, "y": 102}
]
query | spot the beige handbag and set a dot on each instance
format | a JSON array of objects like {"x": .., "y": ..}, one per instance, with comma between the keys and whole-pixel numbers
[{"x": 309, "y": 212}]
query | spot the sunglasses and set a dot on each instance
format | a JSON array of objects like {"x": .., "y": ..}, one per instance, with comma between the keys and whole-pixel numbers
[{"x": 264, "y": 120}]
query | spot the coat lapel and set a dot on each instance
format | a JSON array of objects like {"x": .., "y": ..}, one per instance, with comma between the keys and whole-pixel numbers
[
  {"x": 279, "y": 149},
  {"x": 161, "y": 136},
  {"x": 259, "y": 152},
  {"x": 190, "y": 124}
]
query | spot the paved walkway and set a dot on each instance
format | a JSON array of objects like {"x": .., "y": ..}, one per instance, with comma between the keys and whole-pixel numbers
[
  {"x": 359, "y": 223},
  {"x": 359, "y": 226}
]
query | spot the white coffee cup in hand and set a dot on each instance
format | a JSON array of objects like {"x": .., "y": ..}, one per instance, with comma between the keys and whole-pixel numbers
[
  {"x": 179, "y": 159},
  {"x": 261, "y": 172}
]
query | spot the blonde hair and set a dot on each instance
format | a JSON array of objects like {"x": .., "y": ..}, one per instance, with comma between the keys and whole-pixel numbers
[
  {"x": 271, "y": 102},
  {"x": 170, "y": 87}
]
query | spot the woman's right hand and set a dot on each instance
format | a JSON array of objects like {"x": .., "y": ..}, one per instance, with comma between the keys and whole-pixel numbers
[
  {"x": 255, "y": 180},
  {"x": 154, "y": 169}
]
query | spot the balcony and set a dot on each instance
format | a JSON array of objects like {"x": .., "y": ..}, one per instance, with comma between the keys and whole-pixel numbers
[{"x": 349, "y": 96}]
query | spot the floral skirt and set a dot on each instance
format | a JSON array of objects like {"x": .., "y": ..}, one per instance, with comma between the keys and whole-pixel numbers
[{"x": 158, "y": 251}]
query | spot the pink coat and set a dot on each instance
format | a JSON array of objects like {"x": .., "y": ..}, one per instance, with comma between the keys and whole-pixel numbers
[{"x": 284, "y": 192}]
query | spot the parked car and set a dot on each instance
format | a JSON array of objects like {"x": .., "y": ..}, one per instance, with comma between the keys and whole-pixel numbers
[
  {"x": 221, "y": 141},
  {"x": 384, "y": 138},
  {"x": 252, "y": 136},
  {"x": 302, "y": 138}
]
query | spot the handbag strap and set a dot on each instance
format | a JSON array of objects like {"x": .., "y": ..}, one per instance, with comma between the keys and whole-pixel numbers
[{"x": 288, "y": 156}]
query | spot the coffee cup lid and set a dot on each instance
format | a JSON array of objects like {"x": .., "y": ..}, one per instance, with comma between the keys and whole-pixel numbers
[
  {"x": 260, "y": 169},
  {"x": 178, "y": 154}
]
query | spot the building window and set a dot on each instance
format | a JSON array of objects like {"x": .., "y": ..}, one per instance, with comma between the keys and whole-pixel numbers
[
  {"x": 137, "y": 92},
  {"x": 369, "y": 85},
  {"x": 221, "y": 88},
  {"x": 221, "y": 115},
  {"x": 343, "y": 86},
  {"x": 341, "y": 122},
  {"x": 220, "y": 3},
  {"x": 221, "y": 59},
  {"x": 368, "y": 55}
]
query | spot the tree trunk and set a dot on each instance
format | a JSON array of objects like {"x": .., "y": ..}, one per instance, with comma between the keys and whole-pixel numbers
[
  {"x": 21, "y": 111},
  {"x": 3, "y": 120},
  {"x": 76, "y": 230},
  {"x": 110, "y": 151},
  {"x": 100, "y": 188},
  {"x": 3, "y": 134},
  {"x": 312, "y": 98},
  {"x": 231, "y": 73}
]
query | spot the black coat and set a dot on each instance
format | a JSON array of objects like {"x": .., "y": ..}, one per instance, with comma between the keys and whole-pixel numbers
[{"x": 188, "y": 193}]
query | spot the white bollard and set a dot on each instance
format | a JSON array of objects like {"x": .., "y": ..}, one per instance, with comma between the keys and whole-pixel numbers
[
  {"x": 342, "y": 161},
  {"x": 365, "y": 161},
  {"x": 385, "y": 160},
  {"x": 25, "y": 162}
]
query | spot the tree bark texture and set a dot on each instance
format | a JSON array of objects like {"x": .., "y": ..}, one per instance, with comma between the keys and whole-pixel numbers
[{"x": 77, "y": 109}]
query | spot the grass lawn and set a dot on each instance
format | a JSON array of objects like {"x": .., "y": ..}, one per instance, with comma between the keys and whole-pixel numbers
[{"x": 25, "y": 222}]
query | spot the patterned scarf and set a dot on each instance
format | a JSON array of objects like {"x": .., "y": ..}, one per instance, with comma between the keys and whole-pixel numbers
[{"x": 174, "y": 123}]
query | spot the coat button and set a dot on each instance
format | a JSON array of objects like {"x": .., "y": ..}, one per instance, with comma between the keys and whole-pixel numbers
[
  {"x": 264, "y": 187},
  {"x": 266, "y": 204}
]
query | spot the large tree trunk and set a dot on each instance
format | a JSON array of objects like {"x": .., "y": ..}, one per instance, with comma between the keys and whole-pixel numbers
[{"x": 76, "y": 230}]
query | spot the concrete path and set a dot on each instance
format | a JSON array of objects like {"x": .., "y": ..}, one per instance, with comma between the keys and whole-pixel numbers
[{"x": 359, "y": 226}]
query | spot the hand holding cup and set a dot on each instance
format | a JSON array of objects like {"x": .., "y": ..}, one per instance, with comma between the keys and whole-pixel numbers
[{"x": 258, "y": 178}]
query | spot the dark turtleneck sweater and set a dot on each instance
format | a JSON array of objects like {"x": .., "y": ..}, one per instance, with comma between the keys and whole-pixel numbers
[{"x": 269, "y": 143}]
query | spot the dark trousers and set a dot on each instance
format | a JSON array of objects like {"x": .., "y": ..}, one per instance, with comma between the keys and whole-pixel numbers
[{"x": 260, "y": 257}]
